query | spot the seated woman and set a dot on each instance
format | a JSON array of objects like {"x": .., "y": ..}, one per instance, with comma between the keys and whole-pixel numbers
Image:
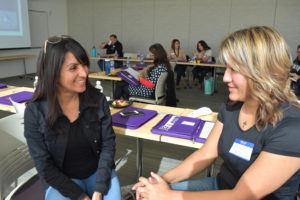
[
  {"x": 256, "y": 134},
  {"x": 203, "y": 53},
  {"x": 148, "y": 77},
  {"x": 67, "y": 125},
  {"x": 177, "y": 53}
]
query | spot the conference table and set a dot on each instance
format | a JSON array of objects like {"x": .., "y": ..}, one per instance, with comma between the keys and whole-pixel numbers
[
  {"x": 149, "y": 61},
  {"x": 18, "y": 57},
  {"x": 143, "y": 132}
]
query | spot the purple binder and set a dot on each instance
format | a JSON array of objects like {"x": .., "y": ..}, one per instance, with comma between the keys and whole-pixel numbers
[
  {"x": 129, "y": 78},
  {"x": 180, "y": 126},
  {"x": 17, "y": 97},
  {"x": 3, "y": 85},
  {"x": 135, "y": 121}
]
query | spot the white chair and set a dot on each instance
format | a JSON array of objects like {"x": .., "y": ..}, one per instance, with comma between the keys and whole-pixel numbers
[
  {"x": 14, "y": 125},
  {"x": 160, "y": 92},
  {"x": 14, "y": 162},
  {"x": 131, "y": 55},
  {"x": 19, "y": 107}
]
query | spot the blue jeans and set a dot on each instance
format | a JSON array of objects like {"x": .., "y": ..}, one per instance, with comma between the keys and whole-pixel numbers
[
  {"x": 180, "y": 69},
  {"x": 87, "y": 184},
  {"x": 205, "y": 184}
]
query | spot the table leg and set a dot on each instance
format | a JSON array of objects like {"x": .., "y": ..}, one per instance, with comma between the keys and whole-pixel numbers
[
  {"x": 112, "y": 89},
  {"x": 25, "y": 72},
  {"x": 139, "y": 157},
  {"x": 215, "y": 80}
]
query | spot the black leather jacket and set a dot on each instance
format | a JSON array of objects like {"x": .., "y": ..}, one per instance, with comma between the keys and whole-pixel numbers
[{"x": 47, "y": 147}]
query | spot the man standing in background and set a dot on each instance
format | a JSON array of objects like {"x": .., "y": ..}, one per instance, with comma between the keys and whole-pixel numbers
[{"x": 113, "y": 48}]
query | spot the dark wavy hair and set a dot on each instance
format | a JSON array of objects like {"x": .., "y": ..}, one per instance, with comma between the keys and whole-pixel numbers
[
  {"x": 203, "y": 44},
  {"x": 160, "y": 57},
  {"x": 50, "y": 60}
]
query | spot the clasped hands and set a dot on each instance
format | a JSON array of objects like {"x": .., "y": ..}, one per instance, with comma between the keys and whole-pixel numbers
[{"x": 152, "y": 188}]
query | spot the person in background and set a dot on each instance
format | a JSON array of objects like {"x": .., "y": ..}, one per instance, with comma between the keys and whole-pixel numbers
[
  {"x": 256, "y": 133},
  {"x": 113, "y": 47},
  {"x": 147, "y": 77},
  {"x": 68, "y": 128},
  {"x": 204, "y": 54},
  {"x": 295, "y": 74},
  {"x": 177, "y": 54}
]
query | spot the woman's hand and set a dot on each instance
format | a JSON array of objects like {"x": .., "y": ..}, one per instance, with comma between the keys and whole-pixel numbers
[
  {"x": 97, "y": 196},
  {"x": 86, "y": 198},
  {"x": 140, "y": 75},
  {"x": 294, "y": 76},
  {"x": 154, "y": 188}
]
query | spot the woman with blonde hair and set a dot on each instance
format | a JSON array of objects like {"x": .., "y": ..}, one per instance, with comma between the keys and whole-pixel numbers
[{"x": 256, "y": 134}]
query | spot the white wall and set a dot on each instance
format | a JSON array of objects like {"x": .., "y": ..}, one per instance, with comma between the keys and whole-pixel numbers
[
  {"x": 139, "y": 23},
  {"x": 57, "y": 22}
]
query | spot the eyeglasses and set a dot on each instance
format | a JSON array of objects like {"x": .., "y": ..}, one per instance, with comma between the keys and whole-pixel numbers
[{"x": 54, "y": 40}]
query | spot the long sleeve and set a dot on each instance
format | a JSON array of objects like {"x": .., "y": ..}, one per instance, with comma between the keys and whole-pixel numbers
[
  {"x": 43, "y": 161},
  {"x": 106, "y": 161}
]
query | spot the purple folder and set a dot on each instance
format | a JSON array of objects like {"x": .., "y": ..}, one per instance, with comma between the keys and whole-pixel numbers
[
  {"x": 148, "y": 59},
  {"x": 19, "y": 97},
  {"x": 135, "y": 121},
  {"x": 180, "y": 126},
  {"x": 3, "y": 85},
  {"x": 129, "y": 78}
]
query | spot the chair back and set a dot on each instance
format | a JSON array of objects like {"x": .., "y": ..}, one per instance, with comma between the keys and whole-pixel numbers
[
  {"x": 14, "y": 162},
  {"x": 160, "y": 89}
]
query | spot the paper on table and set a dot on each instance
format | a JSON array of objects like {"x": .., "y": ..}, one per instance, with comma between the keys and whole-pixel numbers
[
  {"x": 206, "y": 129},
  {"x": 132, "y": 72}
]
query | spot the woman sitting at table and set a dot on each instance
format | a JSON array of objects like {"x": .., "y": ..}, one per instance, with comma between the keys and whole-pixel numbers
[
  {"x": 177, "y": 54},
  {"x": 256, "y": 134},
  {"x": 67, "y": 125},
  {"x": 204, "y": 54},
  {"x": 148, "y": 77}
]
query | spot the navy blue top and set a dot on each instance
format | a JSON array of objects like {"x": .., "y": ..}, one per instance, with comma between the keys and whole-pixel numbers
[{"x": 283, "y": 139}]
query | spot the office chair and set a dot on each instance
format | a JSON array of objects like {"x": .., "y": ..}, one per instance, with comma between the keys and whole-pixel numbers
[{"x": 160, "y": 92}]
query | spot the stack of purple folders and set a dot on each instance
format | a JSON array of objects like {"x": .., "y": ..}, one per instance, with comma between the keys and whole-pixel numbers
[
  {"x": 135, "y": 121},
  {"x": 3, "y": 85},
  {"x": 183, "y": 127},
  {"x": 19, "y": 97},
  {"x": 126, "y": 76}
]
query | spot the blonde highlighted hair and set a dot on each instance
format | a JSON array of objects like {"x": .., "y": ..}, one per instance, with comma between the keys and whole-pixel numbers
[{"x": 261, "y": 54}]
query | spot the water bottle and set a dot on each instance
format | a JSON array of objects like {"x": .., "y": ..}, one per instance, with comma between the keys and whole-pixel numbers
[
  {"x": 112, "y": 65},
  {"x": 99, "y": 86},
  {"x": 116, "y": 54},
  {"x": 142, "y": 59},
  {"x": 35, "y": 82},
  {"x": 138, "y": 55},
  {"x": 107, "y": 66},
  {"x": 128, "y": 61},
  {"x": 94, "y": 52}
]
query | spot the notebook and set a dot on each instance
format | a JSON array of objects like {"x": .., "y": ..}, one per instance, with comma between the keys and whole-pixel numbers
[
  {"x": 19, "y": 97},
  {"x": 130, "y": 76},
  {"x": 132, "y": 122},
  {"x": 184, "y": 127},
  {"x": 3, "y": 85}
]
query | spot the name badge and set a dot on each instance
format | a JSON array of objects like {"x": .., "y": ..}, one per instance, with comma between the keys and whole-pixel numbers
[{"x": 242, "y": 149}]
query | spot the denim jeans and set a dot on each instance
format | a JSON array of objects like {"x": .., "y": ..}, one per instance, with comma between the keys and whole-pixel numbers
[
  {"x": 180, "y": 69},
  {"x": 205, "y": 184},
  {"x": 87, "y": 184}
]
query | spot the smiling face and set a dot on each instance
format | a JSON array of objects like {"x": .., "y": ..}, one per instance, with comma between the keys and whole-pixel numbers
[
  {"x": 237, "y": 85},
  {"x": 72, "y": 75}
]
